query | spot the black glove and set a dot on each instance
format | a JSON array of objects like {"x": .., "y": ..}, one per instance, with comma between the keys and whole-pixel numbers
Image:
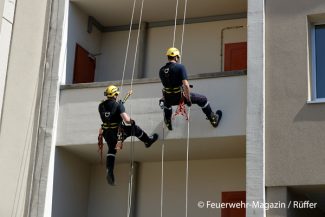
[{"x": 132, "y": 122}]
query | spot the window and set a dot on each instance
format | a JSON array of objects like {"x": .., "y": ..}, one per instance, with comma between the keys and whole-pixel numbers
[{"x": 318, "y": 59}]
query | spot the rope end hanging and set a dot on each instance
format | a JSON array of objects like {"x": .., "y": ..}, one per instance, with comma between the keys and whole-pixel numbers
[
  {"x": 181, "y": 110},
  {"x": 100, "y": 145}
]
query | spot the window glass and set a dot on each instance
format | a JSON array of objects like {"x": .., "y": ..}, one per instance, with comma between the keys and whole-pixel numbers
[{"x": 320, "y": 60}]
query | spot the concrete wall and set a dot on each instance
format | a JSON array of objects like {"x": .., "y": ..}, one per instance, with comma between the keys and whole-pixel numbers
[
  {"x": 255, "y": 127},
  {"x": 77, "y": 33},
  {"x": 79, "y": 119},
  {"x": 294, "y": 129},
  {"x": 70, "y": 185},
  {"x": 105, "y": 200},
  {"x": 2, "y": 2},
  {"x": 277, "y": 195},
  {"x": 207, "y": 179},
  {"x": 111, "y": 61},
  {"x": 201, "y": 48},
  {"x": 7, "y": 12},
  {"x": 20, "y": 104},
  {"x": 202, "y": 43}
]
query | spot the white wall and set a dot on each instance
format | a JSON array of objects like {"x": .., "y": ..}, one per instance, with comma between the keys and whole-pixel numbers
[
  {"x": 7, "y": 11},
  {"x": 201, "y": 49},
  {"x": 207, "y": 179},
  {"x": 106, "y": 200},
  {"x": 22, "y": 79},
  {"x": 77, "y": 33},
  {"x": 70, "y": 185},
  {"x": 2, "y": 2},
  {"x": 113, "y": 49}
]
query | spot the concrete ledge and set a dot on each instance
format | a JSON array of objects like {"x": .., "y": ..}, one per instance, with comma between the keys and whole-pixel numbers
[{"x": 154, "y": 80}]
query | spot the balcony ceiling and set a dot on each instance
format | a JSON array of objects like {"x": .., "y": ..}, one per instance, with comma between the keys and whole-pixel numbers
[
  {"x": 175, "y": 150},
  {"x": 115, "y": 13}
]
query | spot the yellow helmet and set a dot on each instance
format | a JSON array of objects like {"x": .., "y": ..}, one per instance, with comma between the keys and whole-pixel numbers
[
  {"x": 173, "y": 51},
  {"x": 111, "y": 91}
]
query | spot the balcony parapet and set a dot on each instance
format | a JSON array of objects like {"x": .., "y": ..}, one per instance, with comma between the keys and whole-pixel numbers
[
  {"x": 79, "y": 119},
  {"x": 155, "y": 80}
]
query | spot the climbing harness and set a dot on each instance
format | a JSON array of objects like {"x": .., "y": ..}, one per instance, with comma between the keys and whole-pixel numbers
[
  {"x": 120, "y": 135},
  {"x": 179, "y": 96}
]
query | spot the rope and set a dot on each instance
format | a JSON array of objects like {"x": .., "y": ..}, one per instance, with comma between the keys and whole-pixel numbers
[
  {"x": 127, "y": 46},
  {"x": 131, "y": 172},
  {"x": 183, "y": 112},
  {"x": 183, "y": 30},
  {"x": 130, "y": 191},
  {"x": 187, "y": 157},
  {"x": 175, "y": 24},
  {"x": 162, "y": 172},
  {"x": 188, "y": 121},
  {"x": 137, "y": 45}
]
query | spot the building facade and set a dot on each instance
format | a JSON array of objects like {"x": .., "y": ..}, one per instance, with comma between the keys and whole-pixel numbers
[{"x": 258, "y": 61}]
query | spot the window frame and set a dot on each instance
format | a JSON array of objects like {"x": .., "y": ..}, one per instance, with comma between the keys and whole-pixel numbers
[{"x": 313, "y": 78}]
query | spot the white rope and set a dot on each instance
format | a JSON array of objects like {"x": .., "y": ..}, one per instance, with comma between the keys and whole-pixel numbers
[
  {"x": 175, "y": 24},
  {"x": 137, "y": 45},
  {"x": 183, "y": 30},
  {"x": 188, "y": 128},
  {"x": 162, "y": 172},
  {"x": 127, "y": 46},
  {"x": 187, "y": 157},
  {"x": 130, "y": 187},
  {"x": 131, "y": 172}
]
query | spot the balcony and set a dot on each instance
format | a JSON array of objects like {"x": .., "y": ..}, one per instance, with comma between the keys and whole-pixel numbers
[{"x": 79, "y": 119}]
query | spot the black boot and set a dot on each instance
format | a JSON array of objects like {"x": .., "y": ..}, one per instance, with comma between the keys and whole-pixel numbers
[
  {"x": 110, "y": 161},
  {"x": 168, "y": 123},
  {"x": 167, "y": 118},
  {"x": 151, "y": 140},
  {"x": 148, "y": 140},
  {"x": 215, "y": 118},
  {"x": 110, "y": 177}
]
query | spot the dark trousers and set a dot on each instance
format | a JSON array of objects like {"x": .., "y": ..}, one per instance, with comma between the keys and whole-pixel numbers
[
  {"x": 111, "y": 138},
  {"x": 172, "y": 99}
]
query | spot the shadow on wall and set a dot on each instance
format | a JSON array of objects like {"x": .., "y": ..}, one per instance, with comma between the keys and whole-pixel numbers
[
  {"x": 302, "y": 194},
  {"x": 311, "y": 112}
]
